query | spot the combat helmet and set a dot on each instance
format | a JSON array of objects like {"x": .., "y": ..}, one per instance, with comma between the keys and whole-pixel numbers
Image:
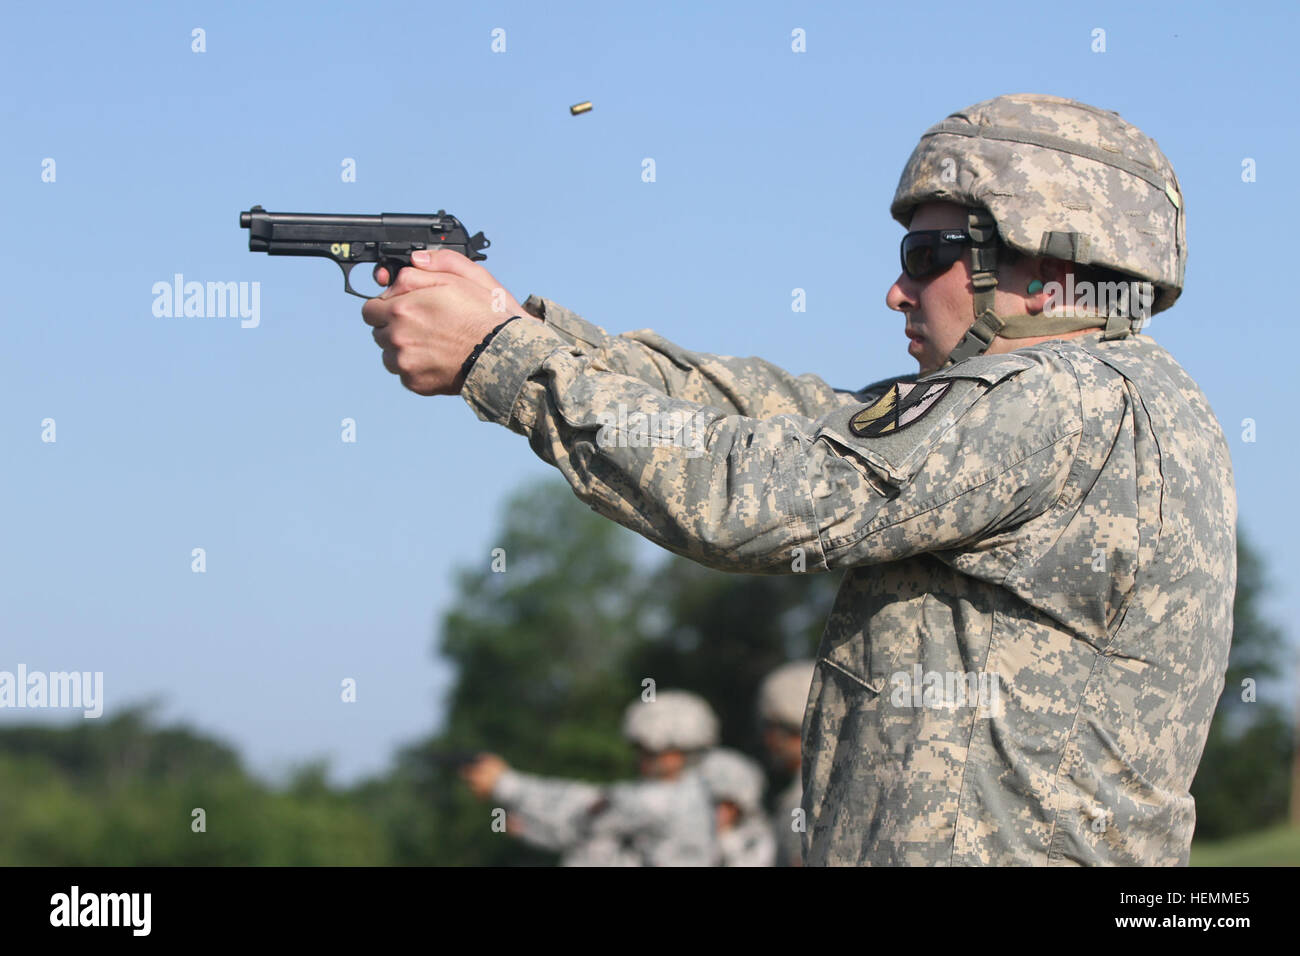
[
  {"x": 1053, "y": 177},
  {"x": 730, "y": 775},
  {"x": 673, "y": 720},
  {"x": 783, "y": 694}
]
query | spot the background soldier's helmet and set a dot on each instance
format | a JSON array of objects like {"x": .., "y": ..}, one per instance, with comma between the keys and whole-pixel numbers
[
  {"x": 1061, "y": 179},
  {"x": 730, "y": 775},
  {"x": 674, "y": 720},
  {"x": 784, "y": 694}
]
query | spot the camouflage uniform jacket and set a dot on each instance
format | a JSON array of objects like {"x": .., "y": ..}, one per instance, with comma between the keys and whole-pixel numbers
[
  {"x": 643, "y": 823},
  {"x": 1060, "y": 518}
]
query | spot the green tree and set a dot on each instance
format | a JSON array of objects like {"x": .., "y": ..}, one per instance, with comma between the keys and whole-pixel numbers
[
  {"x": 1243, "y": 781},
  {"x": 122, "y": 792}
]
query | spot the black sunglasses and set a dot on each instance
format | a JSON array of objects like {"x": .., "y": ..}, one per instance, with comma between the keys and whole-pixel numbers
[{"x": 929, "y": 251}]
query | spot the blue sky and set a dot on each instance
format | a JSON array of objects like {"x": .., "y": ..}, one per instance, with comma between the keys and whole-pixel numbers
[{"x": 328, "y": 560}]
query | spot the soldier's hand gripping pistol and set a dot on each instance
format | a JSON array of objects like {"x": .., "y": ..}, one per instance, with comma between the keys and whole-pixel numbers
[{"x": 386, "y": 240}]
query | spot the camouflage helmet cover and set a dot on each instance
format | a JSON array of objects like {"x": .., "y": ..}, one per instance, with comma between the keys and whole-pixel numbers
[
  {"x": 730, "y": 775},
  {"x": 783, "y": 694},
  {"x": 673, "y": 720},
  {"x": 1062, "y": 179}
]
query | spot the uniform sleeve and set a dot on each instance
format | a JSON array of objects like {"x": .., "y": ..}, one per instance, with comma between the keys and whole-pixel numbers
[
  {"x": 990, "y": 448},
  {"x": 739, "y": 386},
  {"x": 553, "y": 814}
]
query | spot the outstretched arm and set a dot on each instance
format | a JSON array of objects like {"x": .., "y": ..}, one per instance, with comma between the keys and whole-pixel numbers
[
  {"x": 738, "y": 386},
  {"x": 787, "y": 493},
  {"x": 778, "y": 494},
  {"x": 553, "y": 814}
]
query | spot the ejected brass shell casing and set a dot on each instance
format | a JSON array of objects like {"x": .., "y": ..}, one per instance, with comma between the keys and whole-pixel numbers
[{"x": 580, "y": 108}]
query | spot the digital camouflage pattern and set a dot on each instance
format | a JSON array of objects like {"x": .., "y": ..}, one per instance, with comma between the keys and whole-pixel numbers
[
  {"x": 641, "y": 823},
  {"x": 1062, "y": 179},
  {"x": 1062, "y": 519}
]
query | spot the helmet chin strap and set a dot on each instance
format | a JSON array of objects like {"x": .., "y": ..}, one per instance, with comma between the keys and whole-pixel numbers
[
  {"x": 988, "y": 324},
  {"x": 984, "y": 278}
]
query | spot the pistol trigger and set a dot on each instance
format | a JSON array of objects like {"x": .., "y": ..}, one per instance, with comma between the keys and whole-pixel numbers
[{"x": 395, "y": 262}]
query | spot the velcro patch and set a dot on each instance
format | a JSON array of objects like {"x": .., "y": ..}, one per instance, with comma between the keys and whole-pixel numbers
[{"x": 904, "y": 404}]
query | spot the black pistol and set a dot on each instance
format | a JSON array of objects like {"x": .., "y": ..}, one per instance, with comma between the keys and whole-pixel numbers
[{"x": 386, "y": 240}]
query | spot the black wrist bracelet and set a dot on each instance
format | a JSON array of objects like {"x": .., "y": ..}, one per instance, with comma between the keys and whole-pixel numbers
[{"x": 478, "y": 349}]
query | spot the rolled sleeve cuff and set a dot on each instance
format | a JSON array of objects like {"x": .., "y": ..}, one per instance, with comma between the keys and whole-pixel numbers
[
  {"x": 516, "y": 352},
  {"x": 571, "y": 326}
]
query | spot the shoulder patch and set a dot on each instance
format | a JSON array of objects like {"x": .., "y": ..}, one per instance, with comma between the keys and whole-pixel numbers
[{"x": 904, "y": 404}]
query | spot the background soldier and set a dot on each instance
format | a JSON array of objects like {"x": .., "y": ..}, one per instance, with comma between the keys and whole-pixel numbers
[
  {"x": 782, "y": 699},
  {"x": 1050, "y": 508},
  {"x": 736, "y": 786},
  {"x": 665, "y": 819}
]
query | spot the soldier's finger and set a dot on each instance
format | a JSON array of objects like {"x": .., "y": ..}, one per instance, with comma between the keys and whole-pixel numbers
[
  {"x": 377, "y": 311},
  {"x": 448, "y": 260},
  {"x": 408, "y": 280}
]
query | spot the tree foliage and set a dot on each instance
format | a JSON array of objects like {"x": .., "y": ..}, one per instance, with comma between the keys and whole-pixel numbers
[
  {"x": 1243, "y": 783},
  {"x": 120, "y": 792}
]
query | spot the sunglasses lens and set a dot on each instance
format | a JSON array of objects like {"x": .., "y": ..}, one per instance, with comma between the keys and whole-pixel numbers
[
  {"x": 931, "y": 251},
  {"x": 919, "y": 255}
]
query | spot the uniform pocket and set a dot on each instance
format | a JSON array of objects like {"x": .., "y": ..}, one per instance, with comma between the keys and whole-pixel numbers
[{"x": 875, "y": 627}]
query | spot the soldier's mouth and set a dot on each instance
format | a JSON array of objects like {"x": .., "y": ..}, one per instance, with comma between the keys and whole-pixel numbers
[{"x": 916, "y": 342}]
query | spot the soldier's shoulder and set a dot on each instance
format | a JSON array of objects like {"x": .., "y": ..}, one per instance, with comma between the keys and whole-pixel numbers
[
  {"x": 1036, "y": 380},
  {"x": 1102, "y": 363},
  {"x": 1029, "y": 364}
]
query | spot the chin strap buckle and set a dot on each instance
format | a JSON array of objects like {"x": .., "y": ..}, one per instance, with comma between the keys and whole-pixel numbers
[{"x": 1118, "y": 326}]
